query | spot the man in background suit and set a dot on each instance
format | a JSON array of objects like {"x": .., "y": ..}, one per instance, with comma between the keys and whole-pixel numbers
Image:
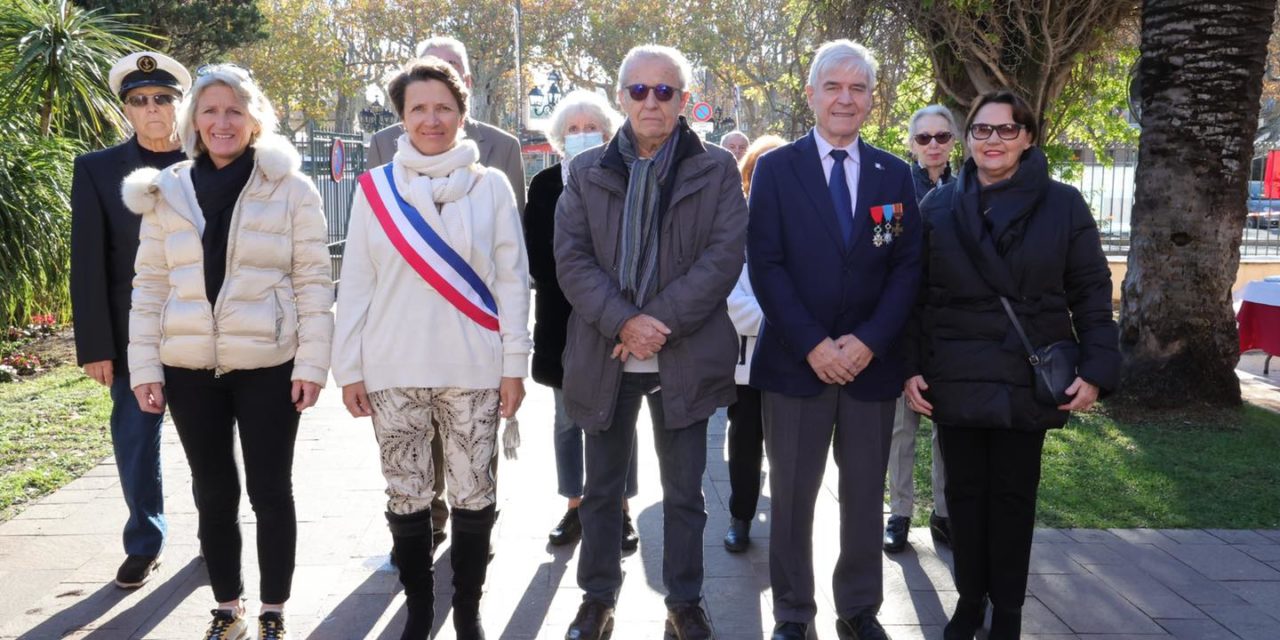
[
  {"x": 833, "y": 249},
  {"x": 498, "y": 149},
  {"x": 104, "y": 242}
]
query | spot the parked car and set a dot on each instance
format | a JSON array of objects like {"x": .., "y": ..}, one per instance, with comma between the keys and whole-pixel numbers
[{"x": 1264, "y": 213}]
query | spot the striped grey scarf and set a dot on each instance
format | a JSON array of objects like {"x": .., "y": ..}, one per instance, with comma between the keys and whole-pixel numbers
[{"x": 638, "y": 262}]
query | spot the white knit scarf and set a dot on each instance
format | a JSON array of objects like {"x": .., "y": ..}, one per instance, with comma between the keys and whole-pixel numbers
[{"x": 438, "y": 187}]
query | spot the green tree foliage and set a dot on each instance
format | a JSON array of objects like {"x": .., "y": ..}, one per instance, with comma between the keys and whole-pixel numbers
[
  {"x": 54, "y": 60},
  {"x": 192, "y": 31},
  {"x": 55, "y": 64},
  {"x": 35, "y": 224},
  {"x": 301, "y": 66}
]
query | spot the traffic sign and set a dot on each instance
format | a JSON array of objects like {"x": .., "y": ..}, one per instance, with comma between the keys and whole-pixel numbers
[
  {"x": 702, "y": 112},
  {"x": 337, "y": 159}
]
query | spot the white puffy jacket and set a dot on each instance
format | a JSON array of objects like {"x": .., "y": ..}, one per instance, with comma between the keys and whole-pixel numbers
[{"x": 275, "y": 304}]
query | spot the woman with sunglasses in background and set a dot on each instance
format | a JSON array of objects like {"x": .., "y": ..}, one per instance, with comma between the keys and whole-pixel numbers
[
  {"x": 231, "y": 325},
  {"x": 1003, "y": 229},
  {"x": 931, "y": 136}
]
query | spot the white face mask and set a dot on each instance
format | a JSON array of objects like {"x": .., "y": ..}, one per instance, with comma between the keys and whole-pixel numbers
[{"x": 576, "y": 143}]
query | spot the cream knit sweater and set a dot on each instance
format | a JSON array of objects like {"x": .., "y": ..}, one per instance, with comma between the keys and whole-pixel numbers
[{"x": 393, "y": 329}]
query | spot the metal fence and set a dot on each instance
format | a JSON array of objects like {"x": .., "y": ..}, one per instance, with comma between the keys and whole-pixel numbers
[
  {"x": 1108, "y": 189},
  {"x": 323, "y": 151}
]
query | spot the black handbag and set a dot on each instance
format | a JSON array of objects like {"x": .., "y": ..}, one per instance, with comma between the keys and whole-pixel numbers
[{"x": 1053, "y": 366}]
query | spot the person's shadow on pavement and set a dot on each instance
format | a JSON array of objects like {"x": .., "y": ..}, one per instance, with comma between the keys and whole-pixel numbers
[{"x": 152, "y": 608}]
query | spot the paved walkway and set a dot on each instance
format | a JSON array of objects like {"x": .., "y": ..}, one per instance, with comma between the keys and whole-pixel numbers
[{"x": 58, "y": 556}]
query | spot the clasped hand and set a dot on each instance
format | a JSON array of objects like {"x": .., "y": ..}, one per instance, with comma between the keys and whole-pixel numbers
[
  {"x": 642, "y": 336},
  {"x": 839, "y": 361}
]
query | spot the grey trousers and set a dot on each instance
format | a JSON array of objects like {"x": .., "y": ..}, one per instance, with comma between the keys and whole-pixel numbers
[
  {"x": 902, "y": 464},
  {"x": 797, "y": 434},
  {"x": 682, "y": 457}
]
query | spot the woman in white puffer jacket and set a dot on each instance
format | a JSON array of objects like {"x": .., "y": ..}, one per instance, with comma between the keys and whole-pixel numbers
[{"x": 231, "y": 323}]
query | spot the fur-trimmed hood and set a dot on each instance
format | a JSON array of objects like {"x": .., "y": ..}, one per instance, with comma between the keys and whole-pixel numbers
[{"x": 274, "y": 160}]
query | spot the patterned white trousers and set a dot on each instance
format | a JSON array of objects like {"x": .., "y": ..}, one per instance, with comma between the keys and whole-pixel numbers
[{"x": 404, "y": 422}]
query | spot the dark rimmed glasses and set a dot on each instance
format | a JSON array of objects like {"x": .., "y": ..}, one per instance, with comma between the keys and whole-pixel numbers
[
  {"x": 1007, "y": 131},
  {"x": 923, "y": 139},
  {"x": 663, "y": 92},
  {"x": 140, "y": 100}
]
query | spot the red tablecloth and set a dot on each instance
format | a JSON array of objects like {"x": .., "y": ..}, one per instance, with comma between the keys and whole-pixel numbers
[{"x": 1259, "y": 327}]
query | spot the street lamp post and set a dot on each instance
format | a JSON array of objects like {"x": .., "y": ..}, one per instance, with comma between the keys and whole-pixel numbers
[
  {"x": 376, "y": 117},
  {"x": 541, "y": 104}
]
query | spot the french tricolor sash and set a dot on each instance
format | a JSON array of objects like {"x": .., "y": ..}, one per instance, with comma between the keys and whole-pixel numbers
[{"x": 426, "y": 251}]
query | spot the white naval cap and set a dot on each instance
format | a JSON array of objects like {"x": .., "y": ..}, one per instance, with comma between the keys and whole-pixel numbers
[{"x": 148, "y": 69}]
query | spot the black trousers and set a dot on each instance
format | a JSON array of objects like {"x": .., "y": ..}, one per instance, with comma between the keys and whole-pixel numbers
[
  {"x": 992, "y": 479},
  {"x": 206, "y": 411},
  {"x": 746, "y": 452}
]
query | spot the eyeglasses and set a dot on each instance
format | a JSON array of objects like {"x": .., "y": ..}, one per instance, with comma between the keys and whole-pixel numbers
[
  {"x": 225, "y": 67},
  {"x": 663, "y": 92},
  {"x": 1007, "y": 131},
  {"x": 140, "y": 100},
  {"x": 923, "y": 139}
]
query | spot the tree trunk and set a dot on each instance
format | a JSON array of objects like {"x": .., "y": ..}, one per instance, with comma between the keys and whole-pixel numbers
[{"x": 1201, "y": 75}]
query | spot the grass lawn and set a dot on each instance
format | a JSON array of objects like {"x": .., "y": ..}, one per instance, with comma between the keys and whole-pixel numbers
[
  {"x": 1217, "y": 469},
  {"x": 53, "y": 428}
]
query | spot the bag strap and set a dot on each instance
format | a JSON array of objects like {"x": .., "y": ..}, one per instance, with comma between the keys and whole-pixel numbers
[{"x": 1026, "y": 344}]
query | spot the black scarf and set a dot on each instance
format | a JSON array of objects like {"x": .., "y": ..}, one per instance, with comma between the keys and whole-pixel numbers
[{"x": 217, "y": 191}]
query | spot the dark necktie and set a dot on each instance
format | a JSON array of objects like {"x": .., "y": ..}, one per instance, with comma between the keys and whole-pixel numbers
[{"x": 840, "y": 196}]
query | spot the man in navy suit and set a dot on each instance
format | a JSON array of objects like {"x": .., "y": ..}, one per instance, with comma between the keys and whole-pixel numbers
[
  {"x": 833, "y": 248},
  {"x": 104, "y": 242}
]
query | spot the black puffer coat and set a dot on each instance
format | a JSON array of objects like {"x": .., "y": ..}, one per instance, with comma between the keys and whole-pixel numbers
[
  {"x": 551, "y": 312},
  {"x": 1035, "y": 241}
]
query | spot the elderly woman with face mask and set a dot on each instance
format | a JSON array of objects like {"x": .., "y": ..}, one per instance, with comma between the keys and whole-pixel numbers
[
  {"x": 582, "y": 120},
  {"x": 231, "y": 325},
  {"x": 432, "y": 333}
]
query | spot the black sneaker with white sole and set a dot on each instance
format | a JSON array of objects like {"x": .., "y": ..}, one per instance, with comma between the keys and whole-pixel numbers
[{"x": 136, "y": 570}]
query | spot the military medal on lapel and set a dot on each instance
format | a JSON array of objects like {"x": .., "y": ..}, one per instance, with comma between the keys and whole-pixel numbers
[
  {"x": 889, "y": 210},
  {"x": 897, "y": 219},
  {"x": 877, "y": 236}
]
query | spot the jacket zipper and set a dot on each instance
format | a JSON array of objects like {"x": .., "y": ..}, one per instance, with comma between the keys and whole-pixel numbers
[{"x": 231, "y": 246}]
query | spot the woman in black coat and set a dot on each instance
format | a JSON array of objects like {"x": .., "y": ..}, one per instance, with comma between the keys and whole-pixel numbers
[
  {"x": 581, "y": 120},
  {"x": 1003, "y": 228}
]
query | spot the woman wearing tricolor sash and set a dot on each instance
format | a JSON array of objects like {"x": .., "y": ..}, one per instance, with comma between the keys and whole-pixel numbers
[{"x": 432, "y": 332}]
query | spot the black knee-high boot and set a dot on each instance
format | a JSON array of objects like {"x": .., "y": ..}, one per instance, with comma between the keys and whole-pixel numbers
[
  {"x": 968, "y": 618},
  {"x": 470, "y": 561},
  {"x": 1006, "y": 623},
  {"x": 411, "y": 539}
]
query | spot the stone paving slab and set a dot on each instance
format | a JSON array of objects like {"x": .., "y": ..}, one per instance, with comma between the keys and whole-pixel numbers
[{"x": 58, "y": 557}]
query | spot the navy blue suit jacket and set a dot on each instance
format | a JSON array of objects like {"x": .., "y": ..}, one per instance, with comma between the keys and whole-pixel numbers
[
  {"x": 811, "y": 287},
  {"x": 104, "y": 243}
]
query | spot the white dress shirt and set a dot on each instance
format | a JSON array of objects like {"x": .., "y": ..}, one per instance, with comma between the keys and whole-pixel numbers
[{"x": 851, "y": 166}]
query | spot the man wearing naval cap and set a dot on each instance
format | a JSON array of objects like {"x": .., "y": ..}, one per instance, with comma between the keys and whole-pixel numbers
[{"x": 104, "y": 240}]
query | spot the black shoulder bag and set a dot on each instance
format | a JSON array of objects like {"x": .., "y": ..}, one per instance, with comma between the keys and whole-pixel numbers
[{"x": 1053, "y": 365}]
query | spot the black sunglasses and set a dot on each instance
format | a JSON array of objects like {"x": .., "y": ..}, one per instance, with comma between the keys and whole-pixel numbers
[
  {"x": 1006, "y": 131},
  {"x": 923, "y": 139},
  {"x": 140, "y": 100},
  {"x": 663, "y": 92}
]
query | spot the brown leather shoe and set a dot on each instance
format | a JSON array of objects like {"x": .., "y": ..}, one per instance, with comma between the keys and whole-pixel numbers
[
  {"x": 688, "y": 622},
  {"x": 593, "y": 622}
]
